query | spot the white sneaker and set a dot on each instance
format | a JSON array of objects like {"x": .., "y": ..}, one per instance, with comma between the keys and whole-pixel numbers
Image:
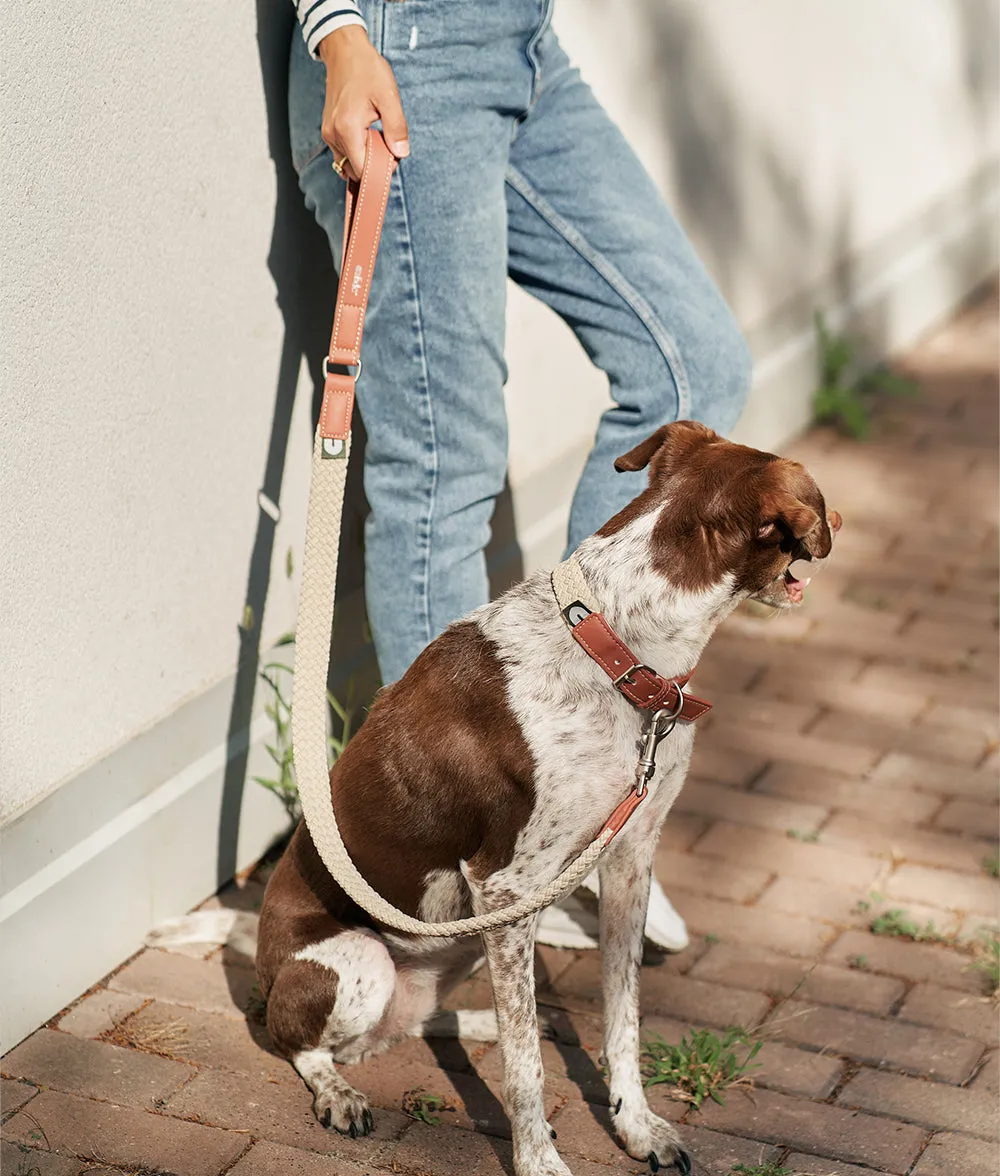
[{"x": 573, "y": 923}]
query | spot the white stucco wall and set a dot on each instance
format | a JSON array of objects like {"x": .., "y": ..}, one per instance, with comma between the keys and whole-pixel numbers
[{"x": 142, "y": 340}]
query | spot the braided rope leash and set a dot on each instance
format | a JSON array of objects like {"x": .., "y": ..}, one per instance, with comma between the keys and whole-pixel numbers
[{"x": 331, "y": 452}]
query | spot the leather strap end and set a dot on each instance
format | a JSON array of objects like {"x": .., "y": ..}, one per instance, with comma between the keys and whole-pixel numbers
[
  {"x": 616, "y": 822},
  {"x": 338, "y": 407}
]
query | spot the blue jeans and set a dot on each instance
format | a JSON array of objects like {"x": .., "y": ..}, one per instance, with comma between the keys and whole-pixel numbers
[{"x": 515, "y": 169}]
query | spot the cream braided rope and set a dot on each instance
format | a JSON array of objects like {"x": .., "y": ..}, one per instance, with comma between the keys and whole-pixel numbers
[{"x": 312, "y": 663}]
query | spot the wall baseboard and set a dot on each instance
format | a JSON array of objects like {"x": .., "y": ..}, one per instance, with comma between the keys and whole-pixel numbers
[{"x": 135, "y": 838}]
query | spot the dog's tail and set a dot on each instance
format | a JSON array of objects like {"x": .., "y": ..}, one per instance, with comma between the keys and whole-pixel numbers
[{"x": 235, "y": 929}]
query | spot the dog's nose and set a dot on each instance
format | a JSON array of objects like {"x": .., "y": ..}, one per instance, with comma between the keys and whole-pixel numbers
[{"x": 835, "y": 519}]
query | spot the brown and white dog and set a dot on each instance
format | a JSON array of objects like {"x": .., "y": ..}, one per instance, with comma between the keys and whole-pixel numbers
[{"x": 493, "y": 762}]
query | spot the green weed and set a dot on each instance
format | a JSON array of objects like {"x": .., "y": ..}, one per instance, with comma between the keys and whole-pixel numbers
[
  {"x": 987, "y": 957},
  {"x": 798, "y": 835},
  {"x": 846, "y": 390},
  {"x": 703, "y": 1066},
  {"x": 277, "y": 675},
  {"x": 991, "y": 865},
  {"x": 771, "y": 1168},
  {"x": 420, "y": 1105},
  {"x": 899, "y": 924}
]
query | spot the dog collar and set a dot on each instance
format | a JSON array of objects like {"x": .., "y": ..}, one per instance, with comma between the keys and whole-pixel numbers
[{"x": 639, "y": 683}]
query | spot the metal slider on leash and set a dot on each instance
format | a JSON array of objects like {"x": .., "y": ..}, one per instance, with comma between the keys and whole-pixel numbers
[{"x": 661, "y": 723}]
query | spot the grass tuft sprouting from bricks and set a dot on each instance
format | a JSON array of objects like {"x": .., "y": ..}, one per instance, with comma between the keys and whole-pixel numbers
[
  {"x": 703, "y": 1065},
  {"x": 420, "y": 1105},
  {"x": 771, "y": 1168},
  {"x": 987, "y": 957},
  {"x": 899, "y": 924}
]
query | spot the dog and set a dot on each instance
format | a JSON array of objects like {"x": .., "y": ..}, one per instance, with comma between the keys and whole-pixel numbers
[{"x": 489, "y": 766}]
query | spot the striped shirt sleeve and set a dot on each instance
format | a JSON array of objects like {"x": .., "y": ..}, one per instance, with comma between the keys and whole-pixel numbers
[{"x": 319, "y": 18}]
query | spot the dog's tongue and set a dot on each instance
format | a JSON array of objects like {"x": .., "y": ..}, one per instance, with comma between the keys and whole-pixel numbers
[{"x": 795, "y": 579}]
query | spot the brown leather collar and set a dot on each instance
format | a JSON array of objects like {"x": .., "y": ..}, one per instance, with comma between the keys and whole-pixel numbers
[{"x": 641, "y": 685}]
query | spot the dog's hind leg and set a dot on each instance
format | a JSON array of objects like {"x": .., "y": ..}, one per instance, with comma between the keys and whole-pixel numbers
[{"x": 324, "y": 1004}]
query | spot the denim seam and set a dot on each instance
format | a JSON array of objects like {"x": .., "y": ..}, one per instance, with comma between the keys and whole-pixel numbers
[
  {"x": 435, "y": 464},
  {"x": 630, "y": 296}
]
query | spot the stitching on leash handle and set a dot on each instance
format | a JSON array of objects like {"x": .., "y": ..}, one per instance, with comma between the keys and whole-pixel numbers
[{"x": 365, "y": 214}]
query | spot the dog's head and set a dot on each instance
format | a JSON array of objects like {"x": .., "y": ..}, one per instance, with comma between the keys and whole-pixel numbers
[{"x": 725, "y": 512}]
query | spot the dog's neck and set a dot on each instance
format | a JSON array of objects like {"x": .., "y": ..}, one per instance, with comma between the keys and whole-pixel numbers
[{"x": 664, "y": 625}]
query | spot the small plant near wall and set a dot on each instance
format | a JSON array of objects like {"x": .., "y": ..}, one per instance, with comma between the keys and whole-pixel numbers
[
  {"x": 846, "y": 389},
  {"x": 277, "y": 675}
]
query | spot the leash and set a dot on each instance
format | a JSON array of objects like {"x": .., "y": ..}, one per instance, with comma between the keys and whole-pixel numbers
[{"x": 366, "y": 205}]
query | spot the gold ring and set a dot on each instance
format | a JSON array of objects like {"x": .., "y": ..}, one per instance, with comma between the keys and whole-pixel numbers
[{"x": 338, "y": 165}]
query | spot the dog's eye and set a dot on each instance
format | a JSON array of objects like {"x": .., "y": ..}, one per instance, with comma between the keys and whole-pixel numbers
[{"x": 767, "y": 531}]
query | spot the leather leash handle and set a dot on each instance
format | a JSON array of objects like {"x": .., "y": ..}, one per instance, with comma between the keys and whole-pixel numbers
[{"x": 366, "y": 204}]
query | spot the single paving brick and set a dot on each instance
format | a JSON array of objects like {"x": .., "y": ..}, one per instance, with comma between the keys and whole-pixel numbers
[
  {"x": 680, "y": 832},
  {"x": 716, "y": 1154},
  {"x": 815, "y": 1127},
  {"x": 778, "y": 975},
  {"x": 957, "y": 1155},
  {"x": 988, "y": 1078},
  {"x": 796, "y": 1071},
  {"x": 803, "y": 1165},
  {"x": 748, "y": 808},
  {"x": 839, "y": 694},
  {"x": 795, "y": 748},
  {"x": 95, "y": 1069},
  {"x": 899, "y": 840},
  {"x": 952, "y": 744},
  {"x": 913, "y": 1048},
  {"x": 122, "y": 1136},
  {"x": 209, "y": 1039},
  {"x": 946, "y": 1008},
  {"x": 817, "y": 900},
  {"x": 585, "y": 1130},
  {"x": 968, "y": 816},
  {"x": 272, "y": 1159},
  {"x": 753, "y": 925},
  {"x": 99, "y": 1012},
  {"x": 709, "y": 876},
  {"x": 278, "y": 1112},
  {"x": 177, "y": 979},
  {"x": 902, "y": 957},
  {"x": 954, "y": 688},
  {"x": 765, "y": 849},
  {"x": 945, "y": 888},
  {"x": 845, "y": 792},
  {"x": 930, "y": 775},
  {"x": 932, "y": 1104},
  {"x": 425, "y": 1149},
  {"x": 14, "y": 1095},
  {"x": 18, "y": 1160},
  {"x": 723, "y": 764},
  {"x": 758, "y": 709}
]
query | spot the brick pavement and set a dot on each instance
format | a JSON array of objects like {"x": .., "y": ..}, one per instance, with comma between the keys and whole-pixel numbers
[{"x": 851, "y": 759}]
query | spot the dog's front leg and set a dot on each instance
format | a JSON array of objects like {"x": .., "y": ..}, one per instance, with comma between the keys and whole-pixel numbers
[
  {"x": 625, "y": 873},
  {"x": 510, "y": 952}
]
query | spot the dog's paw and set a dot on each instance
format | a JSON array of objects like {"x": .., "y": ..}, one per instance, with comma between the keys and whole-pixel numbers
[
  {"x": 545, "y": 1163},
  {"x": 346, "y": 1111},
  {"x": 646, "y": 1136}
]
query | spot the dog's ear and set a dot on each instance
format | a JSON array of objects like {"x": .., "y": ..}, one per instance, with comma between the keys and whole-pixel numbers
[
  {"x": 663, "y": 447},
  {"x": 782, "y": 507}
]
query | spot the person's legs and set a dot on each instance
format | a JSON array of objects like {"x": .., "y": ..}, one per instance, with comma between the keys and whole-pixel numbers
[
  {"x": 431, "y": 390},
  {"x": 591, "y": 236}
]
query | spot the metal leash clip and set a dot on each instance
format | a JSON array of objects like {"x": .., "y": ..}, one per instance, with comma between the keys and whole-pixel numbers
[{"x": 661, "y": 723}]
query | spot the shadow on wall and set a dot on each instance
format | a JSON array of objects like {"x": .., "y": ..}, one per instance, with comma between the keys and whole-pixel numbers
[
  {"x": 715, "y": 149},
  {"x": 305, "y": 280}
]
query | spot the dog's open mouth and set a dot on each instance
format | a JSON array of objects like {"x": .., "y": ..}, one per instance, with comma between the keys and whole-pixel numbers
[{"x": 794, "y": 587}]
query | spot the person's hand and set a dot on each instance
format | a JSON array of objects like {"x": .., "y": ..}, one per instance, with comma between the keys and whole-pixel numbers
[{"x": 360, "y": 88}]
